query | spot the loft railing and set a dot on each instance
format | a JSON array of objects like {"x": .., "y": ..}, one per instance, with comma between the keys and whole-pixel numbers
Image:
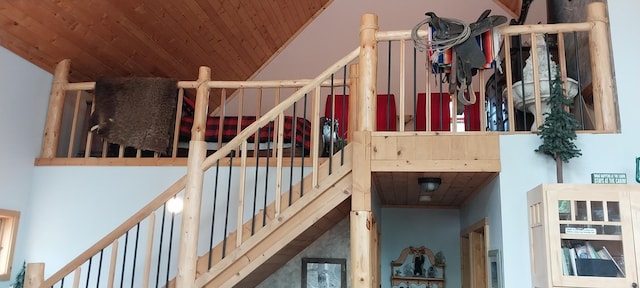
[
  {"x": 68, "y": 139},
  {"x": 580, "y": 50},
  {"x": 417, "y": 98}
]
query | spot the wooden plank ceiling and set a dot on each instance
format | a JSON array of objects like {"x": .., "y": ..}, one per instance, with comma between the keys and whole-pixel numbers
[
  {"x": 169, "y": 38},
  {"x": 401, "y": 189}
]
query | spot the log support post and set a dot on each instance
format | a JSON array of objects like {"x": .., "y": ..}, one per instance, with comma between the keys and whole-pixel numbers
[
  {"x": 54, "y": 113},
  {"x": 188, "y": 256},
  {"x": 364, "y": 248},
  {"x": 602, "y": 76}
]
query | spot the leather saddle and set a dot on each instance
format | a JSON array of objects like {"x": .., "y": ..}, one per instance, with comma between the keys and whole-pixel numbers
[{"x": 468, "y": 54}]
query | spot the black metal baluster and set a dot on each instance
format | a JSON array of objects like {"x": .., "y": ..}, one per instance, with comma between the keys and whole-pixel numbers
[
  {"x": 343, "y": 135},
  {"x": 164, "y": 213},
  {"x": 226, "y": 213},
  {"x": 304, "y": 143},
  {"x": 388, "y": 116},
  {"x": 266, "y": 179},
  {"x": 124, "y": 258},
  {"x": 255, "y": 186},
  {"x": 332, "y": 125},
  {"x": 88, "y": 273},
  {"x": 173, "y": 218},
  {"x": 440, "y": 112},
  {"x": 135, "y": 253},
  {"x": 294, "y": 127},
  {"x": 213, "y": 214},
  {"x": 99, "y": 268}
]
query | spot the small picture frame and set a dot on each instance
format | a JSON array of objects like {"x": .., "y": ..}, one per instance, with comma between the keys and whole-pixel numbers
[
  {"x": 495, "y": 269},
  {"x": 324, "y": 273}
]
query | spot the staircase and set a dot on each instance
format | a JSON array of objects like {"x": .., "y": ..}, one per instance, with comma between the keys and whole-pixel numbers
[
  {"x": 278, "y": 239},
  {"x": 284, "y": 236}
]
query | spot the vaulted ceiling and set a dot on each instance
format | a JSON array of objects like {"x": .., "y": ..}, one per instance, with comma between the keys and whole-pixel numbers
[{"x": 153, "y": 38}]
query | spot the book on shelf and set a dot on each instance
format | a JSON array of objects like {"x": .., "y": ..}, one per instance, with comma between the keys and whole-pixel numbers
[
  {"x": 608, "y": 256},
  {"x": 566, "y": 262},
  {"x": 581, "y": 251},
  {"x": 572, "y": 260},
  {"x": 591, "y": 252}
]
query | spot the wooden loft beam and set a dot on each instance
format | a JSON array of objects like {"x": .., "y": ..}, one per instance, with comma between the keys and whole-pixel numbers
[{"x": 514, "y": 7}]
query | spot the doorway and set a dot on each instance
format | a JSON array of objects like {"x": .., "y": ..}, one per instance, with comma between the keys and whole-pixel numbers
[{"x": 474, "y": 241}]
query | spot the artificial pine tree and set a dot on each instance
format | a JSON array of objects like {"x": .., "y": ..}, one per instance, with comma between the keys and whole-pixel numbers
[{"x": 559, "y": 129}]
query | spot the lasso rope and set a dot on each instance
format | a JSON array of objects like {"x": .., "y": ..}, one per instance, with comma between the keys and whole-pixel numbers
[{"x": 439, "y": 46}]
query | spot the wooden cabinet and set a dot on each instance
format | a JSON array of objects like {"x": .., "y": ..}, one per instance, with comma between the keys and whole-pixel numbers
[
  {"x": 582, "y": 235},
  {"x": 418, "y": 266}
]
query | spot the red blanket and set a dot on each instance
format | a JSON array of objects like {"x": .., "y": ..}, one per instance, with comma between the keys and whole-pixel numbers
[{"x": 301, "y": 133}]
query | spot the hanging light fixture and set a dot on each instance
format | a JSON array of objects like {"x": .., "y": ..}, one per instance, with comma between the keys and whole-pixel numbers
[{"x": 429, "y": 184}]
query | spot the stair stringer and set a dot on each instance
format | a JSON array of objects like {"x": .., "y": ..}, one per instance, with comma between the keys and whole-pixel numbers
[{"x": 285, "y": 228}]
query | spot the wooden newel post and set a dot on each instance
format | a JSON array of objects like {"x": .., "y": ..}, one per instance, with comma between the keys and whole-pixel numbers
[
  {"x": 363, "y": 241},
  {"x": 188, "y": 254},
  {"x": 602, "y": 80},
  {"x": 353, "y": 100},
  {"x": 34, "y": 275},
  {"x": 368, "y": 75},
  {"x": 54, "y": 114}
]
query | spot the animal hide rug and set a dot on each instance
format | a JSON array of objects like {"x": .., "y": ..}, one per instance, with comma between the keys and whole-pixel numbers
[{"x": 135, "y": 112}]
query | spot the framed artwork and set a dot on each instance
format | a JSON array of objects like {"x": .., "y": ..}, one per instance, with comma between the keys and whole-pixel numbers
[
  {"x": 495, "y": 269},
  {"x": 324, "y": 273}
]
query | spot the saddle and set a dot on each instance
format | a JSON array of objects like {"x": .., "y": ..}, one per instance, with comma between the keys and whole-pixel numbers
[{"x": 468, "y": 55}]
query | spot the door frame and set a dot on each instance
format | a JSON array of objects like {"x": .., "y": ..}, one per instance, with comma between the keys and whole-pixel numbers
[{"x": 474, "y": 246}]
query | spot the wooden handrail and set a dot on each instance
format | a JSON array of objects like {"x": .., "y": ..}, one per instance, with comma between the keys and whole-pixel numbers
[
  {"x": 119, "y": 231},
  {"x": 280, "y": 108},
  {"x": 86, "y": 86}
]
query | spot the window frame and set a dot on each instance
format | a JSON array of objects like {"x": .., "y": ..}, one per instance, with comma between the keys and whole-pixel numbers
[{"x": 8, "y": 234}]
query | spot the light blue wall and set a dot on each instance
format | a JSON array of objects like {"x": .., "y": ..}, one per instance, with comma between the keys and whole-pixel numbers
[
  {"x": 23, "y": 106},
  {"x": 438, "y": 230},
  {"x": 485, "y": 204}
]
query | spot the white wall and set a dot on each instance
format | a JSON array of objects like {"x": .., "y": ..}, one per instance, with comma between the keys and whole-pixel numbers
[
  {"x": 334, "y": 32},
  {"x": 438, "y": 230},
  {"x": 23, "y": 106},
  {"x": 74, "y": 207}
]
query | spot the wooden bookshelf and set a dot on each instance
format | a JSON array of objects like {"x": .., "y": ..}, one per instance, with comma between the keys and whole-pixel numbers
[{"x": 582, "y": 235}]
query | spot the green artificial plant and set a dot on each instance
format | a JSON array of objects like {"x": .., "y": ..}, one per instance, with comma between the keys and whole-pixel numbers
[
  {"x": 559, "y": 129},
  {"x": 19, "y": 281}
]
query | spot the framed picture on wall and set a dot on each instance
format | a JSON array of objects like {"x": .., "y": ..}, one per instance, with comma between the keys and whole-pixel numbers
[
  {"x": 495, "y": 269},
  {"x": 324, "y": 273}
]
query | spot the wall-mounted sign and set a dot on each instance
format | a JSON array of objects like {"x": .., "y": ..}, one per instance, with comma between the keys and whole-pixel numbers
[{"x": 609, "y": 178}]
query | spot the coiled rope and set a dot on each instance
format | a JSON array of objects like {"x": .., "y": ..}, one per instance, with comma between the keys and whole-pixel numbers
[{"x": 435, "y": 45}]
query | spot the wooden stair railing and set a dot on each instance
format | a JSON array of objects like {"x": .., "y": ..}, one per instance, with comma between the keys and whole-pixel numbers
[{"x": 332, "y": 191}]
